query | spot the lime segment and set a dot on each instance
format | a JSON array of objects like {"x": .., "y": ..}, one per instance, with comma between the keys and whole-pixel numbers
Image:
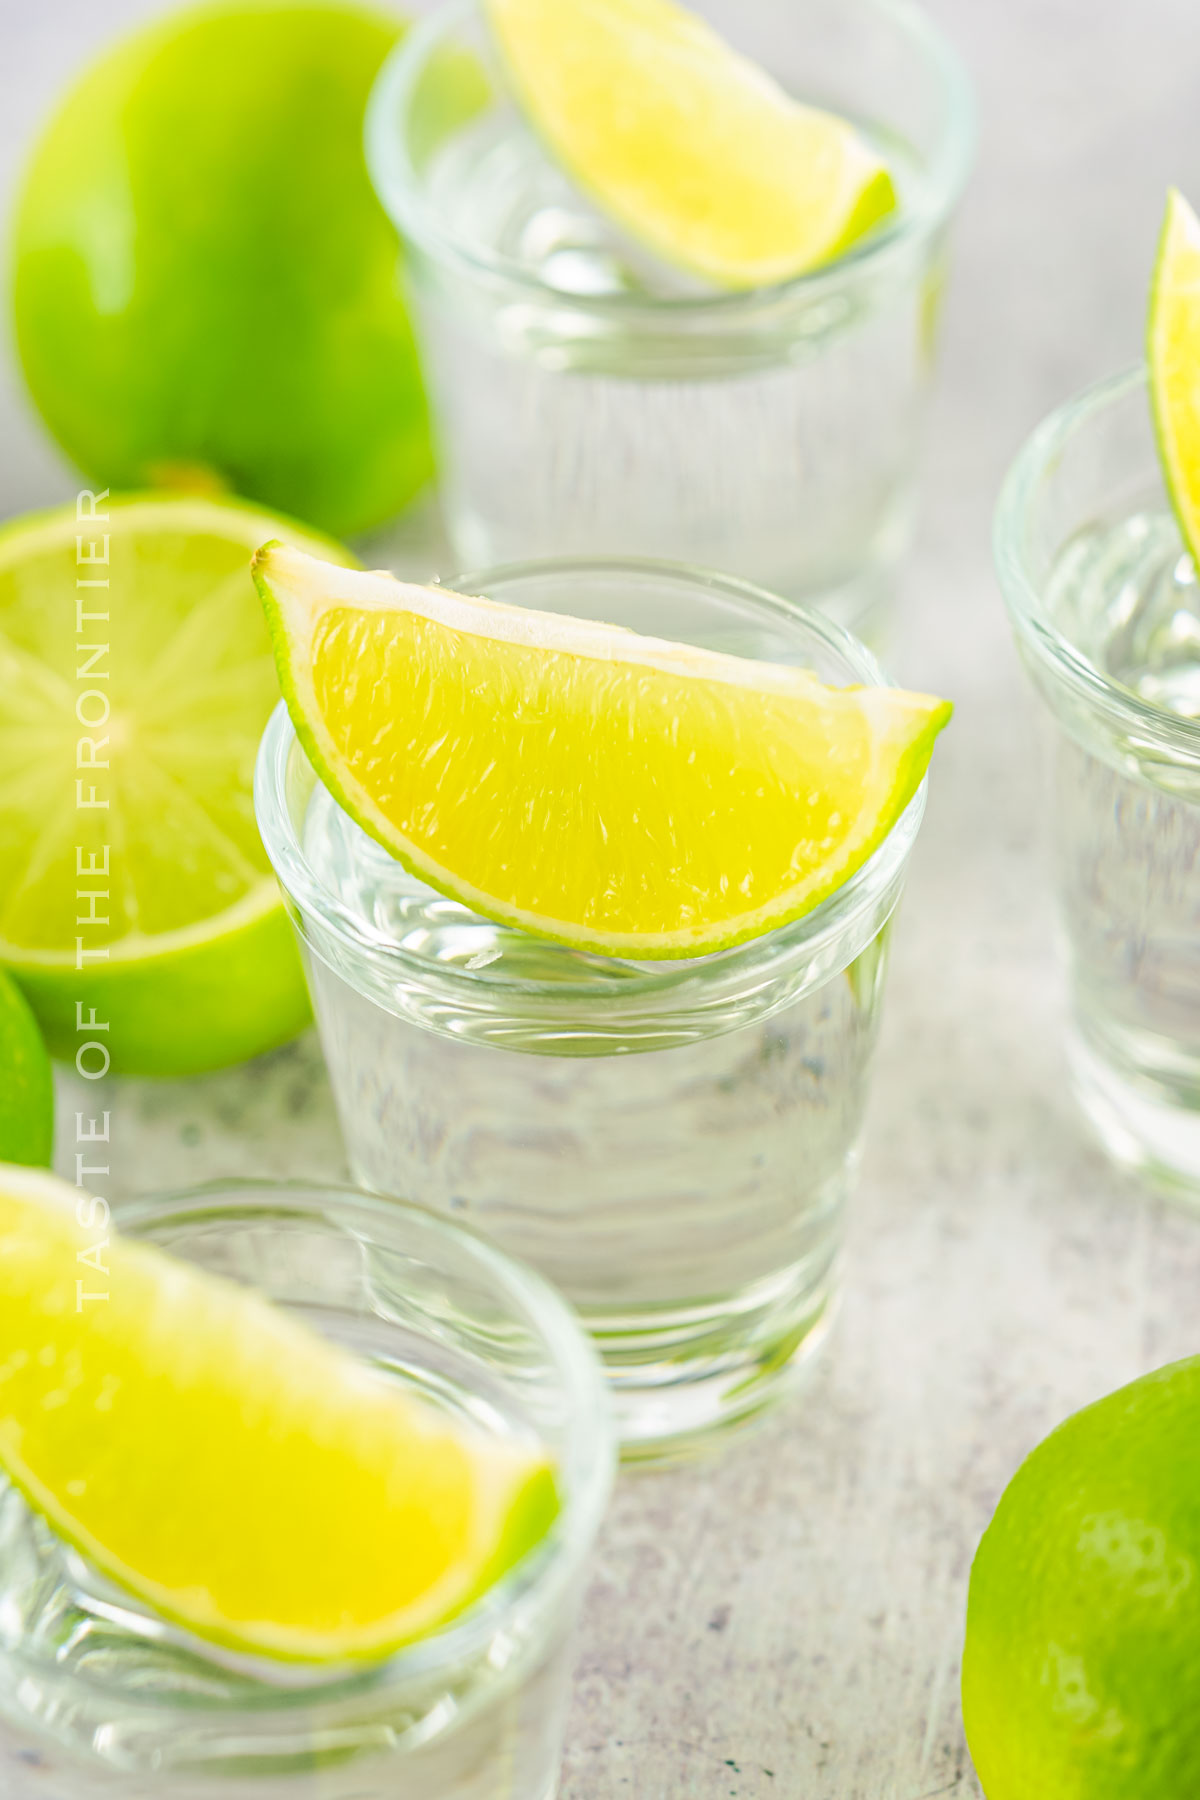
[
  {"x": 693, "y": 149},
  {"x": 132, "y": 879},
  {"x": 579, "y": 781},
  {"x": 1173, "y": 347},
  {"x": 235, "y": 1471}
]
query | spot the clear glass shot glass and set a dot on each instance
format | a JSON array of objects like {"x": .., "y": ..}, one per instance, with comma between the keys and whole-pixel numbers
[
  {"x": 1103, "y": 599},
  {"x": 590, "y": 401},
  {"x": 102, "y": 1700},
  {"x": 671, "y": 1144}
]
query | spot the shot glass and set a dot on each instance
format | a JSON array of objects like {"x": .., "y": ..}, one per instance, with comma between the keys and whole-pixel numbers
[
  {"x": 1103, "y": 599},
  {"x": 102, "y": 1700},
  {"x": 588, "y": 401},
  {"x": 671, "y": 1144}
]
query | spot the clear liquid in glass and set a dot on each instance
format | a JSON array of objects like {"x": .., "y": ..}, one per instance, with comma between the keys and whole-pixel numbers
[{"x": 1128, "y": 836}]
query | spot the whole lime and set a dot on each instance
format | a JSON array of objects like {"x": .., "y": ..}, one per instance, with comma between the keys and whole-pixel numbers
[
  {"x": 26, "y": 1084},
  {"x": 1081, "y": 1678},
  {"x": 206, "y": 290}
]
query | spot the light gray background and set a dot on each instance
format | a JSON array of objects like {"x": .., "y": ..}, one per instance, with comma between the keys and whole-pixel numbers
[{"x": 787, "y": 1622}]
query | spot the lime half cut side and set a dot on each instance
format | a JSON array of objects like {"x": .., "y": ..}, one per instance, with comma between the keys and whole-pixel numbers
[
  {"x": 689, "y": 146},
  {"x": 618, "y": 793},
  {"x": 240, "y": 1474},
  {"x": 1173, "y": 349},
  {"x": 135, "y": 681}
]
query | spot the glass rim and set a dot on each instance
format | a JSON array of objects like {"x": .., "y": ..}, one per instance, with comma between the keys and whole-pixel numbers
[
  {"x": 793, "y": 943},
  {"x": 589, "y": 1429},
  {"x": 401, "y": 192},
  {"x": 1066, "y": 664}
]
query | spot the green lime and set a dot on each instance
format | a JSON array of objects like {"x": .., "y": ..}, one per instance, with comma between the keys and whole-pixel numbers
[
  {"x": 26, "y": 1084},
  {"x": 1173, "y": 350},
  {"x": 137, "y": 907},
  {"x": 206, "y": 289},
  {"x": 231, "y": 1467},
  {"x": 1081, "y": 1679}
]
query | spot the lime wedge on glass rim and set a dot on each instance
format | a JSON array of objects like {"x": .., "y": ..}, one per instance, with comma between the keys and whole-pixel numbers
[
  {"x": 580, "y": 781},
  {"x": 133, "y": 884},
  {"x": 231, "y": 1468},
  {"x": 1173, "y": 351},
  {"x": 689, "y": 146}
]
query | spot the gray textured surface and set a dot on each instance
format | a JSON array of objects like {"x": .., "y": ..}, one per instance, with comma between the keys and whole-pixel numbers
[{"x": 787, "y": 1622}]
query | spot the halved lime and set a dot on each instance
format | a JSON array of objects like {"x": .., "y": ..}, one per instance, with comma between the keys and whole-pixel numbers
[
  {"x": 137, "y": 908},
  {"x": 1173, "y": 349},
  {"x": 580, "y": 781},
  {"x": 689, "y": 146},
  {"x": 236, "y": 1471}
]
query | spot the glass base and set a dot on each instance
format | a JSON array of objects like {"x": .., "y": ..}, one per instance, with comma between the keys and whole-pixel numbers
[
  {"x": 680, "y": 1379},
  {"x": 1144, "y": 1126},
  {"x": 32, "y": 1770}
]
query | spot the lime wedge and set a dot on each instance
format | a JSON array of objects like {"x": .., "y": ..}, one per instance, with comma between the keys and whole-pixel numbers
[
  {"x": 235, "y": 1471},
  {"x": 578, "y": 780},
  {"x": 132, "y": 879},
  {"x": 693, "y": 149},
  {"x": 1173, "y": 348}
]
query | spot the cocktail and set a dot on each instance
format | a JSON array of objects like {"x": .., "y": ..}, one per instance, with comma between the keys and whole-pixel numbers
[
  {"x": 608, "y": 374},
  {"x": 1092, "y": 547},
  {"x": 662, "y": 1112},
  {"x": 331, "y": 1545}
]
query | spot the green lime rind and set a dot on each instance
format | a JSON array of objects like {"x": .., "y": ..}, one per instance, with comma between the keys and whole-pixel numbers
[
  {"x": 1081, "y": 1674},
  {"x": 292, "y": 645},
  {"x": 1174, "y": 363},
  {"x": 26, "y": 1083}
]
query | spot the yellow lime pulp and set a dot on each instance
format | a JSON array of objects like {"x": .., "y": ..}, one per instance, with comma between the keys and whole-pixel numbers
[{"x": 1173, "y": 349}]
